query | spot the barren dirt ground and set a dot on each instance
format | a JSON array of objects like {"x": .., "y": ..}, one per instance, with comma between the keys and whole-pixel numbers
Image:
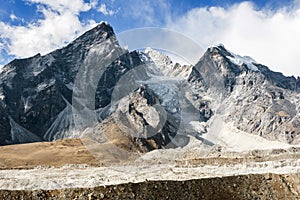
[
  {"x": 56, "y": 154},
  {"x": 66, "y": 169}
]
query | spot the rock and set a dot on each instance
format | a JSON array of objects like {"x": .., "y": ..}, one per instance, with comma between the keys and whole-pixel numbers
[{"x": 145, "y": 119}]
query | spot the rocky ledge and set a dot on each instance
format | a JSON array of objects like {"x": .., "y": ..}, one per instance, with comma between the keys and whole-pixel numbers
[{"x": 265, "y": 186}]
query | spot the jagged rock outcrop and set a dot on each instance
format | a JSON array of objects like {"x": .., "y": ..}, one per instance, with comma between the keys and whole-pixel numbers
[{"x": 143, "y": 116}]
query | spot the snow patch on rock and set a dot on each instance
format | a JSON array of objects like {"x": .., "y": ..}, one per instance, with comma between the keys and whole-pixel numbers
[
  {"x": 44, "y": 85},
  {"x": 165, "y": 64},
  {"x": 245, "y": 60},
  {"x": 237, "y": 59}
]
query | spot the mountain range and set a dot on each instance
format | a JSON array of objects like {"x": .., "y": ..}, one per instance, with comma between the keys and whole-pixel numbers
[{"x": 156, "y": 103}]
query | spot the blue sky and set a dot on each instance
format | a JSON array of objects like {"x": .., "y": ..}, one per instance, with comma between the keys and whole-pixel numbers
[
  {"x": 266, "y": 30},
  {"x": 123, "y": 16}
]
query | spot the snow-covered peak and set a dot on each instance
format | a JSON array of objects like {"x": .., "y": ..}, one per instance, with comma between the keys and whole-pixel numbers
[
  {"x": 165, "y": 64},
  {"x": 243, "y": 60},
  {"x": 237, "y": 59},
  {"x": 217, "y": 46},
  {"x": 160, "y": 59},
  {"x": 104, "y": 23}
]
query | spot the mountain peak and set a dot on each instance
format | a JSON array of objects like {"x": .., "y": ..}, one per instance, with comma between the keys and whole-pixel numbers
[
  {"x": 97, "y": 34},
  {"x": 166, "y": 65},
  {"x": 220, "y": 45},
  {"x": 235, "y": 59}
]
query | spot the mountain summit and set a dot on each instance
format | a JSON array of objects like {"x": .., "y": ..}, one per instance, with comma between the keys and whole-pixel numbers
[{"x": 36, "y": 92}]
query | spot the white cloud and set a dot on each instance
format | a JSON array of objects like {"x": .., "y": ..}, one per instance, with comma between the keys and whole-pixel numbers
[
  {"x": 103, "y": 9},
  {"x": 93, "y": 3},
  {"x": 13, "y": 17},
  {"x": 2, "y": 60},
  {"x": 60, "y": 24},
  {"x": 270, "y": 37},
  {"x": 147, "y": 12},
  {"x": 73, "y": 6}
]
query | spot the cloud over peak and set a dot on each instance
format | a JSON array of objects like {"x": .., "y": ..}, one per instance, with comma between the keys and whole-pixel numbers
[
  {"x": 269, "y": 36},
  {"x": 103, "y": 9},
  {"x": 60, "y": 24}
]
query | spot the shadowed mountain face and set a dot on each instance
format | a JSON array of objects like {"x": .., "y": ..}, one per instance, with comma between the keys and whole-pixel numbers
[{"x": 38, "y": 94}]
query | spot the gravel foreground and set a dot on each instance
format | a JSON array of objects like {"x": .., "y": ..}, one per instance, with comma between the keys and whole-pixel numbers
[
  {"x": 267, "y": 186},
  {"x": 160, "y": 174}
]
